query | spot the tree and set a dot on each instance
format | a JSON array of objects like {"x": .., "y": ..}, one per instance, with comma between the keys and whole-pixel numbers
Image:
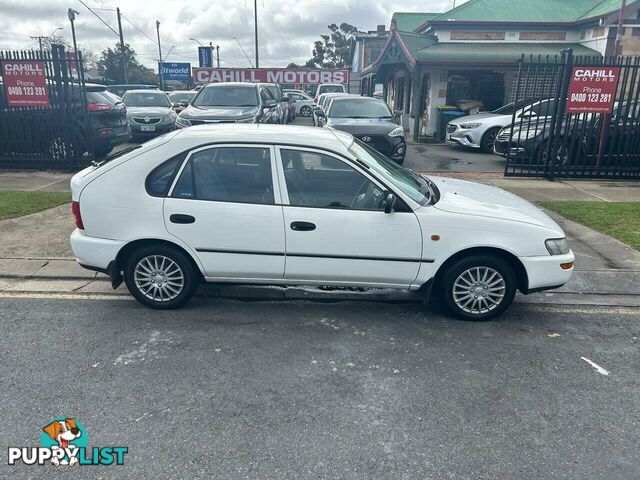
[
  {"x": 333, "y": 50},
  {"x": 89, "y": 57},
  {"x": 110, "y": 66}
]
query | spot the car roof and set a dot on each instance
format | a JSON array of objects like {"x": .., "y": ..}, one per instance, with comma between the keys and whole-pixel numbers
[
  {"x": 230, "y": 84},
  {"x": 183, "y": 91},
  {"x": 311, "y": 137},
  {"x": 145, "y": 91}
]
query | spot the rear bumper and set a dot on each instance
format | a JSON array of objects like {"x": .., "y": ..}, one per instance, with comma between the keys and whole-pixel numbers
[
  {"x": 545, "y": 272},
  {"x": 94, "y": 253}
]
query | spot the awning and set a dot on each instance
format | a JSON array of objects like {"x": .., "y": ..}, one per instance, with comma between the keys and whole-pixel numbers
[{"x": 494, "y": 53}]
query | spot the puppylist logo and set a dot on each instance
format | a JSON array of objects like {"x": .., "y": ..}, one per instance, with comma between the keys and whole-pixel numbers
[{"x": 63, "y": 441}]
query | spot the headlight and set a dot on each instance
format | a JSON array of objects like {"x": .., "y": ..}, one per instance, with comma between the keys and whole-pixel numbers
[
  {"x": 525, "y": 135},
  {"x": 397, "y": 132},
  {"x": 247, "y": 120},
  {"x": 469, "y": 126},
  {"x": 182, "y": 122},
  {"x": 557, "y": 246}
]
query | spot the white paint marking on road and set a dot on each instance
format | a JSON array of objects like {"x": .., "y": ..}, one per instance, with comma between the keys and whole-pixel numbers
[
  {"x": 598, "y": 368},
  {"x": 145, "y": 415},
  {"x": 95, "y": 365}
]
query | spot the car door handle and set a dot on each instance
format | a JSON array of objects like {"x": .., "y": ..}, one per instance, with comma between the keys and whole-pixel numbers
[
  {"x": 181, "y": 218},
  {"x": 303, "y": 226}
]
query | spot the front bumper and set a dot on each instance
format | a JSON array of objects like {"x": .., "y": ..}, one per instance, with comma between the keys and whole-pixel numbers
[
  {"x": 160, "y": 128},
  {"x": 545, "y": 272},
  {"x": 94, "y": 253},
  {"x": 466, "y": 138}
]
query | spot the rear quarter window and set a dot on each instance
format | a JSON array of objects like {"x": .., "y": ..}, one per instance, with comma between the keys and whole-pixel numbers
[{"x": 160, "y": 179}]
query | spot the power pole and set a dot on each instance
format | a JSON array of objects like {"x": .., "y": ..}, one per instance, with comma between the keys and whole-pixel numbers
[
  {"x": 255, "y": 12},
  {"x": 71, "y": 13},
  {"x": 123, "y": 60},
  {"x": 618, "y": 48},
  {"x": 218, "y": 55},
  {"x": 160, "y": 56}
]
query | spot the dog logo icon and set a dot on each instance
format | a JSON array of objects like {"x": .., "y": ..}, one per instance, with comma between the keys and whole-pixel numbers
[{"x": 64, "y": 432}]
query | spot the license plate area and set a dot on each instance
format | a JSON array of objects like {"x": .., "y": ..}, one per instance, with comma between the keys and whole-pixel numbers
[{"x": 147, "y": 128}]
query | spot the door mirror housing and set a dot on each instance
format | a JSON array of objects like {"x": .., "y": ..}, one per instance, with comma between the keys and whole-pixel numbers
[
  {"x": 176, "y": 104},
  {"x": 397, "y": 116},
  {"x": 270, "y": 104},
  {"x": 390, "y": 202}
]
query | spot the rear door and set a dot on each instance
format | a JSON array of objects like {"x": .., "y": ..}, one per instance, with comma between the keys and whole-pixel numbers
[
  {"x": 336, "y": 227},
  {"x": 223, "y": 204}
]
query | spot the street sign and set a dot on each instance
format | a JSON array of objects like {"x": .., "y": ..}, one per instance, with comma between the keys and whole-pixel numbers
[
  {"x": 205, "y": 57},
  {"x": 176, "y": 71},
  {"x": 25, "y": 83},
  {"x": 592, "y": 89},
  {"x": 271, "y": 75}
]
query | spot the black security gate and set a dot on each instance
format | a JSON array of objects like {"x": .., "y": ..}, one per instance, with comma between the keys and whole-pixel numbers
[
  {"x": 545, "y": 140},
  {"x": 54, "y": 134}
]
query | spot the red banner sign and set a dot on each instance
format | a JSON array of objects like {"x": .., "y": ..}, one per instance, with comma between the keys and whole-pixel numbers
[
  {"x": 270, "y": 75},
  {"x": 25, "y": 83},
  {"x": 592, "y": 89}
]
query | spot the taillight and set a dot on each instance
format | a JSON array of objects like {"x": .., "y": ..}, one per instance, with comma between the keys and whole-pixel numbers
[
  {"x": 75, "y": 209},
  {"x": 98, "y": 107}
]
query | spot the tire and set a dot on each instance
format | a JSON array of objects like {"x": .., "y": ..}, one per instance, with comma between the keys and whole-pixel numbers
[
  {"x": 488, "y": 139},
  {"x": 475, "y": 300},
  {"x": 146, "y": 261},
  {"x": 305, "y": 111}
]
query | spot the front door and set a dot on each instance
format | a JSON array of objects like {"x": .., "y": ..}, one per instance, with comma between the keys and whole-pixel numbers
[
  {"x": 223, "y": 205},
  {"x": 336, "y": 227}
]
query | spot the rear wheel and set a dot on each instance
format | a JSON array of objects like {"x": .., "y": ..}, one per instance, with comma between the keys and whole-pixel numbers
[
  {"x": 489, "y": 139},
  {"x": 479, "y": 287},
  {"x": 161, "y": 277},
  {"x": 305, "y": 111}
]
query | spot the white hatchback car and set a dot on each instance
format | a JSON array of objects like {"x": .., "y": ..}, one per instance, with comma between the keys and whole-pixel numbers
[{"x": 266, "y": 204}]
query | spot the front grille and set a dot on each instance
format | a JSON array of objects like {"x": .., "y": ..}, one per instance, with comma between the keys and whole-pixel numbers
[
  {"x": 379, "y": 142},
  {"x": 503, "y": 135},
  {"x": 146, "y": 120},
  {"x": 451, "y": 128}
]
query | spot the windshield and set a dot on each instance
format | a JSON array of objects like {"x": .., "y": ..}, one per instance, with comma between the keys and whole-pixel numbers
[
  {"x": 227, "y": 96},
  {"x": 181, "y": 97},
  {"x": 331, "y": 89},
  {"x": 274, "y": 91},
  {"x": 359, "y": 108},
  {"x": 418, "y": 188},
  {"x": 150, "y": 99}
]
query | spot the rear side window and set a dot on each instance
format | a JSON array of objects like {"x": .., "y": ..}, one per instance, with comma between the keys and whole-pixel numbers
[
  {"x": 228, "y": 174},
  {"x": 160, "y": 179}
]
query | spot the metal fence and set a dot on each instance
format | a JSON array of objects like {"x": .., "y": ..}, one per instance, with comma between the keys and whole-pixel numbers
[
  {"x": 546, "y": 140},
  {"x": 52, "y": 135}
]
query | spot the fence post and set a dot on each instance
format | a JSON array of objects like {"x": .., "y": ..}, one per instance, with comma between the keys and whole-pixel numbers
[{"x": 557, "y": 119}]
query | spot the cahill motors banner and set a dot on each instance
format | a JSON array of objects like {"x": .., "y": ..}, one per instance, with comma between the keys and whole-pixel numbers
[{"x": 270, "y": 75}]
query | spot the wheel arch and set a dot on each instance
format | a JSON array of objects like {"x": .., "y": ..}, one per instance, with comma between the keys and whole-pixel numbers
[
  {"x": 522, "y": 278},
  {"x": 145, "y": 242}
]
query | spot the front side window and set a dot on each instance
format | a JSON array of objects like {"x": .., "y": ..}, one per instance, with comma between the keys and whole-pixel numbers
[
  {"x": 227, "y": 174},
  {"x": 318, "y": 180}
]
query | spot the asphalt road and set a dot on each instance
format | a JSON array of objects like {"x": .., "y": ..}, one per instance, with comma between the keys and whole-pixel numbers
[{"x": 347, "y": 390}]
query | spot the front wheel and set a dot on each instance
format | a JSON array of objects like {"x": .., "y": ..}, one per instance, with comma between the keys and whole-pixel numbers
[
  {"x": 161, "y": 277},
  {"x": 479, "y": 287},
  {"x": 305, "y": 111},
  {"x": 489, "y": 140}
]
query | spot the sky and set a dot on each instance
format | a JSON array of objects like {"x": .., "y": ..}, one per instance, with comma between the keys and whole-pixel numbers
[{"x": 287, "y": 28}]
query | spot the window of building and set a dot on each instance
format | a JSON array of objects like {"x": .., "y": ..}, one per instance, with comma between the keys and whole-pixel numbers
[
  {"x": 399, "y": 103},
  {"x": 228, "y": 174},
  {"x": 318, "y": 180}
]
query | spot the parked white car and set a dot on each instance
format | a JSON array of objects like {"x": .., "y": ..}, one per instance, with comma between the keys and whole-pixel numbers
[
  {"x": 266, "y": 204},
  {"x": 480, "y": 130},
  {"x": 304, "y": 103},
  {"x": 329, "y": 88}
]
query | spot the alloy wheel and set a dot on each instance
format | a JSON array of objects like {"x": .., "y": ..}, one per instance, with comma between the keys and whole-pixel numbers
[
  {"x": 158, "y": 278},
  {"x": 305, "y": 111},
  {"x": 479, "y": 290}
]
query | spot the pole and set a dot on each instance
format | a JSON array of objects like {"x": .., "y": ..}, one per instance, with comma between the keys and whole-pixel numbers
[
  {"x": 218, "y": 55},
  {"x": 71, "y": 13},
  {"x": 255, "y": 13},
  {"x": 211, "y": 47},
  {"x": 159, "y": 56},
  {"x": 40, "y": 43},
  {"x": 123, "y": 60},
  {"x": 618, "y": 50}
]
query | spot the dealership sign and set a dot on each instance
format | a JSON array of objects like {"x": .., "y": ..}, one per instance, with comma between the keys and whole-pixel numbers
[
  {"x": 592, "y": 89},
  {"x": 205, "y": 57},
  {"x": 270, "y": 75},
  {"x": 176, "y": 71},
  {"x": 25, "y": 83}
]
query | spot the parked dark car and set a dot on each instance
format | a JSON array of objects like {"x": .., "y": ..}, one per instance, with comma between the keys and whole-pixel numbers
[
  {"x": 283, "y": 102},
  {"x": 120, "y": 90},
  {"x": 530, "y": 139},
  {"x": 181, "y": 98},
  {"x": 64, "y": 130},
  {"x": 150, "y": 113},
  {"x": 370, "y": 120},
  {"x": 230, "y": 103}
]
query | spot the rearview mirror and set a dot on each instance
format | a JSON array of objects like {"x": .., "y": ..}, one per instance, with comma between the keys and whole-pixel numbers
[{"x": 390, "y": 202}]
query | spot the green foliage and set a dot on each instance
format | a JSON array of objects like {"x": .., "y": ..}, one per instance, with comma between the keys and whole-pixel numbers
[
  {"x": 16, "y": 204},
  {"x": 332, "y": 51},
  {"x": 110, "y": 66}
]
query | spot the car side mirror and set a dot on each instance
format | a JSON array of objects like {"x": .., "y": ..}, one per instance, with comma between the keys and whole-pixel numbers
[
  {"x": 286, "y": 98},
  {"x": 270, "y": 104},
  {"x": 184, "y": 104},
  {"x": 176, "y": 104},
  {"x": 390, "y": 202},
  {"x": 397, "y": 116}
]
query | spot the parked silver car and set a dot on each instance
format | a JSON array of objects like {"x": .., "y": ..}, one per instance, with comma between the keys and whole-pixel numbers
[{"x": 149, "y": 112}]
